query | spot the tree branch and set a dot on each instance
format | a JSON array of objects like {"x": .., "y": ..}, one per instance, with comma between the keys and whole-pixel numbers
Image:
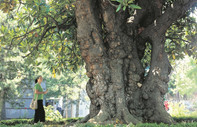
[
  {"x": 56, "y": 23},
  {"x": 23, "y": 35},
  {"x": 42, "y": 36},
  {"x": 62, "y": 26},
  {"x": 172, "y": 14},
  {"x": 112, "y": 4}
]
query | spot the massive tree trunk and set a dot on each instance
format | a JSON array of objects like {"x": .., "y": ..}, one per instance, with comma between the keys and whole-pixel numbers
[{"x": 113, "y": 48}]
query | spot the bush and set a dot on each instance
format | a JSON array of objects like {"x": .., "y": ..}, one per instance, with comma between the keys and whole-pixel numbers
[
  {"x": 63, "y": 121},
  {"x": 17, "y": 121},
  {"x": 185, "y": 119},
  {"x": 178, "y": 110},
  {"x": 52, "y": 115},
  {"x": 22, "y": 125}
]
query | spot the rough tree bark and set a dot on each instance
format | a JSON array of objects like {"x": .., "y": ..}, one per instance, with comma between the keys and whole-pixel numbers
[{"x": 113, "y": 48}]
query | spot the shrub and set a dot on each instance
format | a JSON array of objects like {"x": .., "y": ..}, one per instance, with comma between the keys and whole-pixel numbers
[
  {"x": 185, "y": 119},
  {"x": 52, "y": 115},
  {"x": 178, "y": 110},
  {"x": 62, "y": 121},
  {"x": 16, "y": 121},
  {"x": 22, "y": 125}
]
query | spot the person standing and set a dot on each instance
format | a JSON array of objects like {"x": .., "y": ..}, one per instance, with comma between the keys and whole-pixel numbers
[{"x": 39, "y": 93}]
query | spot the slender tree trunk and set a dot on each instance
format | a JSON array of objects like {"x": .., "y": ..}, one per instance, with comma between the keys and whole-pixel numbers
[
  {"x": 66, "y": 111},
  {"x": 113, "y": 49},
  {"x": 77, "y": 105},
  {"x": 71, "y": 109},
  {"x": 66, "y": 107},
  {"x": 2, "y": 105}
]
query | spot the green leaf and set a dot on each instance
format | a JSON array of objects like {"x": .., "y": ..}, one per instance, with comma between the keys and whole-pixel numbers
[
  {"x": 2, "y": 28},
  {"x": 135, "y": 6},
  {"x": 131, "y": 1},
  {"x": 124, "y": 8},
  {"x": 119, "y": 7}
]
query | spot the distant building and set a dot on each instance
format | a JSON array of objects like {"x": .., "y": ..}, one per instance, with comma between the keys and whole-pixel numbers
[{"x": 13, "y": 112}]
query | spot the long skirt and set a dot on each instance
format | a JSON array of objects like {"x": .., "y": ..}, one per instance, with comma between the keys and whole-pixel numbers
[{"x": 39, "y": 112}]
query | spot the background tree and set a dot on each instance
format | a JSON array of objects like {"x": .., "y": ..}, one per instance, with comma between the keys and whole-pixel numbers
[
  {"x": 183, "y": 77},
  {"x": 69, "y": 85},
  {"x": 113, "y": 38},
  {"x": 15, "y": 77}
]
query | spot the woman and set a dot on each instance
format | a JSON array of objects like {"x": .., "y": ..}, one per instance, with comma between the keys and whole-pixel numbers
[{"x": 39, "y": 112}]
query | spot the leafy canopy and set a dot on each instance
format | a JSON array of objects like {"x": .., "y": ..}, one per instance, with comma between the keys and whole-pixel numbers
[{"x": 47, "y": 29}]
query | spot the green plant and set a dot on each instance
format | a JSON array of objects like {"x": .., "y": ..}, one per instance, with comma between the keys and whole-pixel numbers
[
  {"x": 16, "y": 121},
  {"x": 13, "y": 122},
  {"x": 52, "y": 115},
  {"x": 193, "y": 114},
  {"x": 126, "y": 3},
  {"x": 185, "y": 119},
  {"x": 86, "y": 125},
  {"x": 178, "y": 110},
  {"x": 23, "y": 125}
]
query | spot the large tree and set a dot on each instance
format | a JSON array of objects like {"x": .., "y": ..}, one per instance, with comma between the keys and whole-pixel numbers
[
  {"x": 117, "y": 44},
  {"x": 117, "y": 86}
]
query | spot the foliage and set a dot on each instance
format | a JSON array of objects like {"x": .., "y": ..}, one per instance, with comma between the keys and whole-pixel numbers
[
  {"x": 15, "y": 76},
  {"x": 181, "y": 37},
  {"x": 50, "y": 27},
  {"x": 68, "y": 83},
  {"x": 48, "y": 30},
  {"x": 63, "y": 121},
  {"x": 52, "y": 115},
  {"x": 24, "y": 69},
  {"x": 147, "y": 55},
  {"x": 24, "y": 125},
  {"x": 183, "y": 77},
  {"x": 16, "y": 121},
  {"x": 178, "y": 110},
  {"x": 185, "y": 119},
  {"x": 126, "y": 3}
]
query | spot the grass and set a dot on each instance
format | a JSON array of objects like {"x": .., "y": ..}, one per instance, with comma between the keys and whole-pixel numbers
[{"x": 181, "y": 122}]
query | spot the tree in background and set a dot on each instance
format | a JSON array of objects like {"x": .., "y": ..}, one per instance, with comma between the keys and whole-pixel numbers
[
  {"x": 15, "y": 77},
  {"x": 184, "y": 77},
  {"x": 112, "y": 39},
  {"x": 69, "y": 85}
]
